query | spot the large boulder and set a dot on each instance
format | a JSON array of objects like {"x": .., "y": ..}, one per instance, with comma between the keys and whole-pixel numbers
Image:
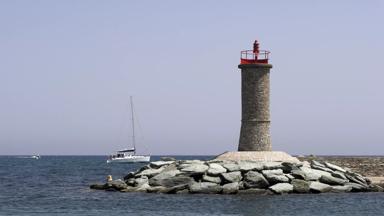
[
  {"x": 356, "y": 178},
  {"x": 232, "y": 176},
  {"x": 204, "y": 187},
  {"x": 334, "y": 167},
  {"x": 194, "y": 168},
  {"x": 281, "y": 188},
  {"x": 143, "y": 188},
  {"x": 215, "y": 169},
  {"x": 116, "y": 184},
  {"x": 332, "y": 180},
  {"x": 275, "y": 176},
  {"x": 171, "y": 182},
  {"x": 272, "y": 165},
  {"x": 300, "y": 186},
  {"x": 158, "y": 189},
  {"x": 254, "y": 179},
  {"x": 129, "y": 175},
  {"x": 158, "y": 164},
  {"x": 213, "y": 179},
  {"x": 357, "y": 187},
  {"x": 98, "y": 186},
  {"x": 319, "y": 187},
  {"x": 341, "y": 188},
  {"x": 287, "y": 167},
  {"x": 248, "y": 166},
  {"x": 165, "y": 175},
  {"x": 140, "y": 181},
  {"x": 231, "y": 166},
  {"x": 150, "y": 172},
  {"x": 231, "y": 188}
]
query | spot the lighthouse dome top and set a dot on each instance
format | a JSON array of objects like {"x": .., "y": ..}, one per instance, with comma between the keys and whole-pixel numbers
[{"x": 254, "y": 56}]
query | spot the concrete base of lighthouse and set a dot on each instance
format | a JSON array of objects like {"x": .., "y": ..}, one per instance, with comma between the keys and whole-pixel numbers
[{"x": 258, "y": 156}]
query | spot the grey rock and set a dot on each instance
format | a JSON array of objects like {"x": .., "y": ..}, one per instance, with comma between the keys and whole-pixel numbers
[
  {"x": 129, "y": 175},
  {"x": 158, "y": 189},
  {"x": 232, "y": 176},
  {"x": 165, "y": 175},
  {"x": 300, "y": 186},
  {"x": 231, "y": 166},
  {"x": 375, "y": 188},
  {"x": 288, "y": 167},
  {"x": 248, "y": 165},
  {"x": 273, "y": 179},
  {"x": 184, "y": 191},
  {"x": 207, "y": 178},
  {"x": 310, "y": 174},
  {"x": 319, "y": 187},
  {"x": 281, "y": 188},
  {"x": 130, "y": 182},
  {"x": 98, "y": 186},
  {"x": 158, "y": 164},
  {"x": 195, "y": 168},
  {"x": 241, "y": 185},
  {"x": 341, "y": 188},
  {"x": 140, "y": 181},
  {"x": 254, "y": 179},
  {"x": 272, "y": 172},
  {"x": 334, "y": 167},
  {"x": 171, "y": 182},
  {"x": 255, "y": 191},
  {"x": 298, "y": 174},
  {"x": 322, "y": 168},
  {"x": 356, "y": 178},
  {"x": 272, "y": 165},
  {"x": 231, "y": 188},
  {"x": 339, "y": 175},
  {"x": 204, "y": 187},
  {"x": 215, "y": 169},
  {"x": 317, "y": 163},
  {"x": 116, "y": 184},
  {"x": 186, "y": 163},
  {"x": 357, "y": 187},
  {"x": 143, "y": 188},
  {"x": 289, "y": 176},
  {"x": 128, "y": 189},
  {"x": 305, "y": 164},
  {"x": 332, "y": 180},
  {"x": 150, "y": 172}
]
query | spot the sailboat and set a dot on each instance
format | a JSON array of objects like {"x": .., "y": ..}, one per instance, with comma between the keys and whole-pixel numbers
[{"x": 129, "y": 155}]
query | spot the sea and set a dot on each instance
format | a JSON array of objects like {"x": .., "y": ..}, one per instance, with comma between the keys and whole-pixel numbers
[{"x": 59, "y": 185}]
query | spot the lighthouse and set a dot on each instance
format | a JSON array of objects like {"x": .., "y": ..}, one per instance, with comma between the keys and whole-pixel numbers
[
  {"x": 255, "y": 115},
  {"x": 255, "y": 138}
]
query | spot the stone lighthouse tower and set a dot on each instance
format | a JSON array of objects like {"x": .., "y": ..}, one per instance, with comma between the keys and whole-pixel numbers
[
  {"x": 255, "y": 139},
  {"x": 255, "y": 116}
]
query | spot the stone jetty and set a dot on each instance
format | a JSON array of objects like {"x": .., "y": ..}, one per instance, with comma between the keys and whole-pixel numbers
[{"x": 240, "y": 177}]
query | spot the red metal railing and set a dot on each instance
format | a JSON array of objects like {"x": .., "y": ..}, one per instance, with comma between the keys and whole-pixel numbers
[{"x": 252, "y": 57}]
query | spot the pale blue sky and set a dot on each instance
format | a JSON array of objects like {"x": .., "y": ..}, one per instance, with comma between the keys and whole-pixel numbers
[{"x": 67, "y": 70}]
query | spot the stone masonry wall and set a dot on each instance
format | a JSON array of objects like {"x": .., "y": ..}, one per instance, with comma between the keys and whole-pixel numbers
[{"x": 255, "y": 123}]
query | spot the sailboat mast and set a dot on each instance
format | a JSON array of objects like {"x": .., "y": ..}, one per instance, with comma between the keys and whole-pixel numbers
[{"x": 133, "y": 127}]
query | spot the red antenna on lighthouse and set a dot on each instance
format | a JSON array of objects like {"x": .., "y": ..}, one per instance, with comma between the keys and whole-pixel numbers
[{"x": 255, "y": 56}]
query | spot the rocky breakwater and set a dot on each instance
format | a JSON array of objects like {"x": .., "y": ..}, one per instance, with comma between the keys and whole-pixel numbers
[{"x": 240, "y": 177}]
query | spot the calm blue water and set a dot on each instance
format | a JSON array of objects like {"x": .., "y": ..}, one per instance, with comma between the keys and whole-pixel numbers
[{"x": 59, "y": 185}]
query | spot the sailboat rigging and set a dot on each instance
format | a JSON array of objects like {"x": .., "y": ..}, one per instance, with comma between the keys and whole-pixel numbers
[{"x": 129, "y": 155}]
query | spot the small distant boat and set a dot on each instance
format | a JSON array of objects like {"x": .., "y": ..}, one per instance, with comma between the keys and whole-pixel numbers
[
  {"x": 36, "y": 157},
  {"x": 129, "y": 155}
]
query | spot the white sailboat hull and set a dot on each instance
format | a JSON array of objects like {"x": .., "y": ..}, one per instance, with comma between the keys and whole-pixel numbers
[{"x": 130, "y": 159}]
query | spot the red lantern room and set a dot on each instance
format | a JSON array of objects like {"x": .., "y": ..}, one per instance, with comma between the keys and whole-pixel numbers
[{"x": 255, "y": 56}]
